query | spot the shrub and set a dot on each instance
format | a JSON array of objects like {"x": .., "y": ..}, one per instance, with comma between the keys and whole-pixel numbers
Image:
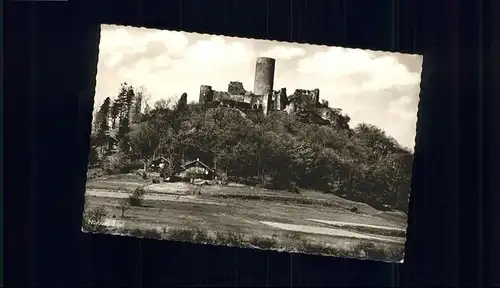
[
  {"x": 117, "y": 163},
  {"x": 94, "y": 173},
  {"x": 93, "y": 219},
  {"x": 229, "y": 238},
  {"x": 354, "y": 209},
  {"x": 252, "y": 181},
  {"x": 293, "y": 188},
  {"x": 372, "y": 251},
  {"x": 201, "y": 236},
  {"x": 187, "y": 235},
  {"x": 222, "y": 177},
  {"x": 280, "y": 183},
  {"x": 137, "y": 197},
  {"x": 233, "y": 179},
  {"x": 145, "y": 233},
  {"x": 134, "y": 201},
  {"x": 124, "y": 205},
  {"x": 263, "y": 242},
  {"x": 293, "y": 236},
  {"x": 322, "y": 249}
]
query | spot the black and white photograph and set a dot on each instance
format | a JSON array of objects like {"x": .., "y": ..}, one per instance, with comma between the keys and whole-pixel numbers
[{"x": 252, "y": 143}]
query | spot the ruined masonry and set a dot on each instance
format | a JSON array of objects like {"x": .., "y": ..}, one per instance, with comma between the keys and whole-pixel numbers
[{"x": 263, "y": 98}]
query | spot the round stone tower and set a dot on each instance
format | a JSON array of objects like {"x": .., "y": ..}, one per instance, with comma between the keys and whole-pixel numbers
[
  {"x": 206, "y": 94},
  {"x": 264, "y": 76},
  {"x": 264, "y": 80}
]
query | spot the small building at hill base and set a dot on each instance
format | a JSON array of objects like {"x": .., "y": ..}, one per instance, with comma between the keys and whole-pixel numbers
[{"x": 196, "y": 169}]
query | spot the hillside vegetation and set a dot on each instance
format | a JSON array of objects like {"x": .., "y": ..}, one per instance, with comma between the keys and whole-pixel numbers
[{"x": 281, "y": 151}]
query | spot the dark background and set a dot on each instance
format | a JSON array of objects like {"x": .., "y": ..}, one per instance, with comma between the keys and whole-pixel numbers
[{"x": 50, "y": 67}]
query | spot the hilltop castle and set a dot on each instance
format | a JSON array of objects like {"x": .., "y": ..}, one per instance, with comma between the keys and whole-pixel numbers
[{"x": 263, "y": 98}]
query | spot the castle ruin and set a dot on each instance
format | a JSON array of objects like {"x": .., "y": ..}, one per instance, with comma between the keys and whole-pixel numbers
[{"x": 263, "y": 98}]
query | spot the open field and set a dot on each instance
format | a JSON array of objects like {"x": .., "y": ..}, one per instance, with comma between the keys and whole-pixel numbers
[{"x": 307, "y": 222}]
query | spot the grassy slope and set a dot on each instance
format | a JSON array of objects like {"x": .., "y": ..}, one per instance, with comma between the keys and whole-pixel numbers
[
  {"x": 128, "y": 182},
  {"x": 244, "y": 213},
  {"x": 242, "y": 219}
]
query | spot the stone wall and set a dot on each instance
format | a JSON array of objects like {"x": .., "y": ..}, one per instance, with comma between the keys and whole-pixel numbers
[{"x": 263, "y": 97}]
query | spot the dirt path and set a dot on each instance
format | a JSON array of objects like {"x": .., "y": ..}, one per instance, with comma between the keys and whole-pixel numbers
[
  {"x": 340, "y": 224},
  {"x": 154, "y": 197},
  {"x": 254, "y": 217},
  {"x": 128, "y": 183},
  {"x": 327, "y": 231}
]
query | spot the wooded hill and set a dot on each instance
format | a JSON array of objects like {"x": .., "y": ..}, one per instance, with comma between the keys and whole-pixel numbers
[{"x": 280, "y": 151}]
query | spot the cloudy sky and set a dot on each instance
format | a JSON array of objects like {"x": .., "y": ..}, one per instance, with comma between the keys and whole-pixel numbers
[{"x": 373, "y": 87}]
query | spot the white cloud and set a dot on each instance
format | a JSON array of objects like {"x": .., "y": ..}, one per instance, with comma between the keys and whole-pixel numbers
[
  {"x": 343, "y": 66},
  {"x": 185, "y": 62},
  {"x": 175, "y": 42},
  {"x": 142, "y": 67},
  {"x": 284, "y": 52},
  {"x": 204, "y": 55},
  {"x": 115, "y": 44},
  {"x": 114, "y": 39},
  {"x": 118, "y": 43},
  {"x": 398, "y": 108},
  {"x": 362, "y": 83}
]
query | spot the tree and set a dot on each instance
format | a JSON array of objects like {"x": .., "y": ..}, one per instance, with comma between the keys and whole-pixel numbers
[
  {"x": 137, "y": 197},
  {"x": 180, "y": 111},
  {"x": 144, "y": 140},
  {"x": 376, "y": 140},
  {"x": 124, "y": 100},
  {"x": 118, "y": 162},
  {"x": 172, "y": 164},
  {"x": 123, "y": 135},
  {"x": 399, "y": 168},
  {"x": 93, "y": 219},
  {"x": 146, "y": 97},
  {"x": 281, "y": 150},
  {"x": 93, "y": 128},
  {"x": 114, "y": 112},
  {"x": 129, "y": 102},
  {"x": 101, "y": 125},
  {"x": 93, "y": 156},
  {"x": 337, "y": 119},
  {"x": 161, "y": 104},
  {"x": 136, "y": 110},
  {"x": 182, "y": 104}
]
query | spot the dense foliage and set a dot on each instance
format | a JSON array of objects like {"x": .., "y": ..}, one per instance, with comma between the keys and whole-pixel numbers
[{"x": 281, "y": 151}]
